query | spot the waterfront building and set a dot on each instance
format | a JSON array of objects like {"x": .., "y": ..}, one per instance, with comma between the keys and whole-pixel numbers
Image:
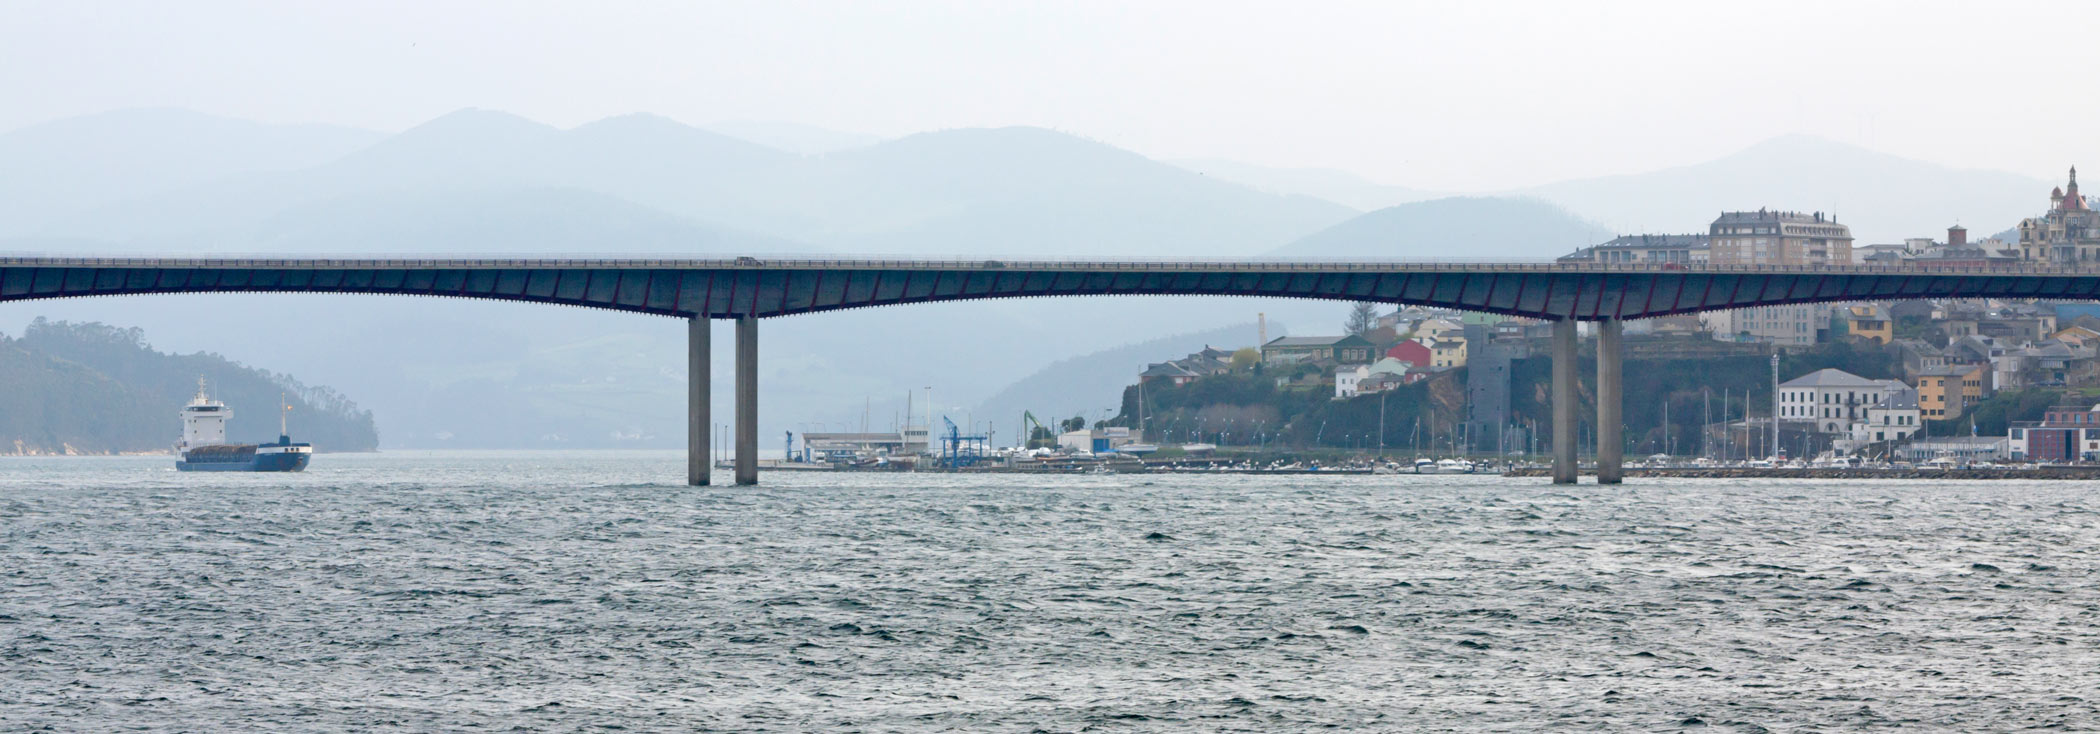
[
  {"x": 1097, "y": 440},
  {"x": 1895, "y": 418},
  {"x": 2067, "y": 234},
  {"x": 1959, "y": 448},
  {"x": 1766, "y": 237},
  {"x": 1832, "y": 400},
  {"x": 828, "y": 447},
  {"x": 2065, "y": 433}
]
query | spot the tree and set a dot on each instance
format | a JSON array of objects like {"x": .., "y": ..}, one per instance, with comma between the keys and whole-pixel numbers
[
  {"x": 1245, "y": 357},
  {"x": 1363, "y": 317},
  {"x": 1077, "y": 423}
]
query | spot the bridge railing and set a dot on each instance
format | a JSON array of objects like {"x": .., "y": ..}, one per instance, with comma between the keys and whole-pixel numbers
[{"x": 812, "y": 262}]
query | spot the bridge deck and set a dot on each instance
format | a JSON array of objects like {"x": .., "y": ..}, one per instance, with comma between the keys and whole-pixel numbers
[{"x": 777, "y": 286}]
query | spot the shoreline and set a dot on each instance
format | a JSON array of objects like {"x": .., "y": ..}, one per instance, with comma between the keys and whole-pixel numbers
[{"x": 2075, "y": 473}]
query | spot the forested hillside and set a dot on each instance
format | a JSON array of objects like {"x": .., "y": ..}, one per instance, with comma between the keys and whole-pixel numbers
[{"x": 91, "y": 388}]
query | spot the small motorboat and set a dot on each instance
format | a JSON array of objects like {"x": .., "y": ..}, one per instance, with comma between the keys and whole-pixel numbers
[{"x": 1454, "y": 466}]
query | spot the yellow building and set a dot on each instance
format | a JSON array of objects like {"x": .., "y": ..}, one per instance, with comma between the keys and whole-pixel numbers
[
  {"x": 1440, "y": 329},
  {"x": 1947, "y": 392},
  {"x": 1868, "y": 321},
  {"x": 1779, "y": 238},
  {"x": 1447, "y": 353}
]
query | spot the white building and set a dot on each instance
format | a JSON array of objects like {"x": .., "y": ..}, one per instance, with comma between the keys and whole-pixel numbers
[
  {"x": 1096, "y": 441},
  {"x": 1894, "y": 419},
  {"x": 1794, "y": 324},
  {"x": 1958, "y": 448},
  {"x": 1835, "y": 399},
  {"x": 1346, "y": 378}
]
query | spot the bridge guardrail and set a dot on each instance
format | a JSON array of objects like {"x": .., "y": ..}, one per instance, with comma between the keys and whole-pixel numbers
[{"x": 1255, "y": 265}]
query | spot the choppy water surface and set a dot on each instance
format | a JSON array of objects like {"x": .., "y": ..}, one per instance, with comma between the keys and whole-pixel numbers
[{"x": 582, "y": 591}]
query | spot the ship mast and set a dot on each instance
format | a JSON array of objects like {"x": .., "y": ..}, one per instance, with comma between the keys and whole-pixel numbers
[{"x": 284, "y": 412}]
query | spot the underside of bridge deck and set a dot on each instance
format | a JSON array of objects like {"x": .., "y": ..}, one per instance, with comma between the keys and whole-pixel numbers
[{"x": 747, "y": 289}]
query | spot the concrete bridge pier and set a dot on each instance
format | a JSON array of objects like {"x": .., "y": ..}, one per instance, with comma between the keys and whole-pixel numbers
[
  {"x": 746, "y": 400},
  {"x": 1611, "y": 424},
  {"x": 698, "y": 362},
  {"x": 1564, "y": 401}
]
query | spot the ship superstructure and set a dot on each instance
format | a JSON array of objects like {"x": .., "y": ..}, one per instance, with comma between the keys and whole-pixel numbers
[{"x": 204, "y": 448}]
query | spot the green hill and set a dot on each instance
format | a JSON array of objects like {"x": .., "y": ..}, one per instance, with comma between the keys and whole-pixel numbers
[{"x": 91, "y": 388}]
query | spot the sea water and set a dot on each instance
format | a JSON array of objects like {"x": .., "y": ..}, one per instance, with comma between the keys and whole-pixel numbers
[{"x": 593, "y": 591}]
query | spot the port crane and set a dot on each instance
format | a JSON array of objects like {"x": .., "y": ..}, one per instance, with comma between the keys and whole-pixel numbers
[
  {"x": 958, "y": 450},
  {"x": 1027, "y": 436}
]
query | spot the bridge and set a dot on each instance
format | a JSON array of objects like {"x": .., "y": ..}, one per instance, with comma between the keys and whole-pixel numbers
[{"x": 746, "y": 289}]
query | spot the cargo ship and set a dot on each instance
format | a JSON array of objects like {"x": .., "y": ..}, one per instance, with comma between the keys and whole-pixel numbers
[{"x": 204, "y": 446}]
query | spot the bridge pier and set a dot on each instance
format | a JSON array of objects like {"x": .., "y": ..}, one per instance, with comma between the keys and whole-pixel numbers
[
  {"x": 746, "y": 400},
  {"x": 1564, "y": 469},
  {"x": 698, "y": 364},
  {"x": 1611, "y": 424}
]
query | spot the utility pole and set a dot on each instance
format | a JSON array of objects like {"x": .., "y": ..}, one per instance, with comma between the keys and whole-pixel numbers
[
  {"x": 1751, "y": 436},
  {"x": 1775, "y": 404}
]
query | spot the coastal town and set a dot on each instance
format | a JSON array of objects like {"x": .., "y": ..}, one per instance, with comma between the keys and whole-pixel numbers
[{"x": 1963, "y": 381}]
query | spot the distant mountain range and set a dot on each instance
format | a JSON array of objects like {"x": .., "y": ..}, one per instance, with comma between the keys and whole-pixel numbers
[
  {"x": 1882, "y": 197},
  {"x": 1341, "y": 187},
  {"x": 1459, "y": 227},
  {"x": 509, "y": 375},
  {"x": 1011, "y": 191},
  {"x": 793, "y": 137},
  {"x": 65, "y": 167}
]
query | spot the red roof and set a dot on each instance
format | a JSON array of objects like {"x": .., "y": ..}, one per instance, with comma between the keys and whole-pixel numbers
[{"x": 1411, "y": 352}]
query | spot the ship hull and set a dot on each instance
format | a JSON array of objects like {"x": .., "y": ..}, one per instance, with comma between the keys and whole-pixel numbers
[
  {"x": 263, "y": 462},
  {"x": 272, "y": 461}
]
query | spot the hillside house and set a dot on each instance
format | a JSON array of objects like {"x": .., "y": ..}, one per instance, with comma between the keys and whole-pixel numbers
[
  {"x": 1412, "y": 352},
  {"x": 1348, "y": 349}
]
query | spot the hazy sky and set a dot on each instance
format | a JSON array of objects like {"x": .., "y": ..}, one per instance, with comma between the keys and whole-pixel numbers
[{"x": 1449, "y": 95}]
